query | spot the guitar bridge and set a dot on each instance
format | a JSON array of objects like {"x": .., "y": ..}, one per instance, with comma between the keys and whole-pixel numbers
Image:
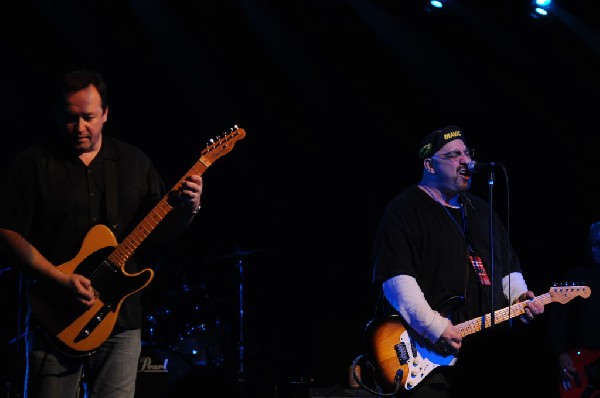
[{"x": 93, "y": 323}]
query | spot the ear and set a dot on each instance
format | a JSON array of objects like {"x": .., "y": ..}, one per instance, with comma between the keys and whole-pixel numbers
[{"x": 428, "y": 165}]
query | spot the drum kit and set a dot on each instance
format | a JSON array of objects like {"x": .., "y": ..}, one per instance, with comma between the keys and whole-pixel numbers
[
  {"x": 187, "y": 325},
  {"x": 190, "y": 326}
]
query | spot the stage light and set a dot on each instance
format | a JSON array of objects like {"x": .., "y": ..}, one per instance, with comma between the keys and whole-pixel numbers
[
  {"x": 540, "y": 8},
  {"x": 434, "y": 5}
]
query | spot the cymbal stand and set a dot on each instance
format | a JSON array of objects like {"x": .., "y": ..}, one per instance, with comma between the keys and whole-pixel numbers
[{"x": 241, "y": 342}]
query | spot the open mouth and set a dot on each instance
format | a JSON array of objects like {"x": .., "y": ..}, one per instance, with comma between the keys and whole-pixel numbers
[{"x": 464, "y": 172}]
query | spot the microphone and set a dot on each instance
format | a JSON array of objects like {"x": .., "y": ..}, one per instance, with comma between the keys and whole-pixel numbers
[{"x": 477, "y": 167}]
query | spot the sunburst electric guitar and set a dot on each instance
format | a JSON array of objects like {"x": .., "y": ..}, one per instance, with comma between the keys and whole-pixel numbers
[
  {"x": 78, "y": 329},
  {"x": 402, "y": 358}
]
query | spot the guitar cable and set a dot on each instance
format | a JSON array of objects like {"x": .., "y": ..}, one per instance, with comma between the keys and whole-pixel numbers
[{"x": 358, "y": 378}]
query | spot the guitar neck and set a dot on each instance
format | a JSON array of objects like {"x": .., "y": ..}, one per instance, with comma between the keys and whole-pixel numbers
[
  {"x": 212, "y": 152},
  {"x": 475, "y": 325},
  {"x": 130, "y": 244}
]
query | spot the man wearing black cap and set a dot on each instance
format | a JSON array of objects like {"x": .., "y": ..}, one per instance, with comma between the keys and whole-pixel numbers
[{"x": 432, "y": 244}]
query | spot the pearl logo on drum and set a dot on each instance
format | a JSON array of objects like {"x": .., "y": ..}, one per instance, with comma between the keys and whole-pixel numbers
[{"x": 147, "y": 366}]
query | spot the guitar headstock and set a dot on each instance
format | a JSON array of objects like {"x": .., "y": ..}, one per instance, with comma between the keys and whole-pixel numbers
[
  {"x": 221, "y": 145},
  {"x": 564, "y": 294}
]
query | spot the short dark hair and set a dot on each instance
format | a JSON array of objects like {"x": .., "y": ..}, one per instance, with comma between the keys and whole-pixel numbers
[{"x": 79, "y": 79}]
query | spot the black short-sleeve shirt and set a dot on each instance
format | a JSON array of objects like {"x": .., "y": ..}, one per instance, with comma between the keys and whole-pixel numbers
[
  {"x": 418, "y": 237},
  {"x": 53, "y": 200}
]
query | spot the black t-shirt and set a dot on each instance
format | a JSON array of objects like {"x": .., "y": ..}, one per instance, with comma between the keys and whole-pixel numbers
[
  {"x": 419, "y": 237},
  {"x": 53, "y": 200}
]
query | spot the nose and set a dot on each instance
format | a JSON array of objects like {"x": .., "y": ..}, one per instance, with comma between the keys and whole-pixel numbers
[{"x": 80, "y": 125}]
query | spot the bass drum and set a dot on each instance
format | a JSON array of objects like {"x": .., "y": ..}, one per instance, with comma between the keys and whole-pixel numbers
[
  {"x": 160, "y": 372},
  {"x": 202, "y": 344},
  {"x": 156, "y": 324}
]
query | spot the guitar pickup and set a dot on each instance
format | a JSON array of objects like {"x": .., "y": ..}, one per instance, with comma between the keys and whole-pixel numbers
[
  {"x": 401, "y": 353},
  {"x": 93, "y": 323}
]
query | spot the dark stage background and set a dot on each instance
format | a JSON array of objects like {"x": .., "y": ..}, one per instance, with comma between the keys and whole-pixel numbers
[{"x": 334, "y": 97}]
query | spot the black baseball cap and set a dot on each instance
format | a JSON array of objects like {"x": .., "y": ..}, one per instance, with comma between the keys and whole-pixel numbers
[{"x": 438, "y": 138}]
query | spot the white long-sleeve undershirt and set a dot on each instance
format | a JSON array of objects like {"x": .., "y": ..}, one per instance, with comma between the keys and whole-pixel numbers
[{"x": 405, "y": 295}]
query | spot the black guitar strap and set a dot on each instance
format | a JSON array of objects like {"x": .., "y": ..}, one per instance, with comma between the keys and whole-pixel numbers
[{"x": 110, "y": 178}]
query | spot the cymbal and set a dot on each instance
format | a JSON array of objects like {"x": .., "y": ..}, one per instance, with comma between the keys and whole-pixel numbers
[
  {"x": 239, "y": 253},
  {"x": 185, "y": 288}
]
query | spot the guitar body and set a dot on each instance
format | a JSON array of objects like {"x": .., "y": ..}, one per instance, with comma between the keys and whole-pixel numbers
[
  {"x": 402, "y": 356},
  {"x": 78, "y": 329},
  {"x": 586, "y": 383}
]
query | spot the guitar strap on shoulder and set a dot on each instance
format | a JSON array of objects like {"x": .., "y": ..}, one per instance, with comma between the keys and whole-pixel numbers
[
  {"x": 382, "y": 306},
  {"x": 110, "y": 177},
  {"x": 475, "y": 260}
]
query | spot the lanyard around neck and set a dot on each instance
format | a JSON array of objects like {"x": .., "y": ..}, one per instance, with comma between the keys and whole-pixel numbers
[{"x": 461, "y": 228}]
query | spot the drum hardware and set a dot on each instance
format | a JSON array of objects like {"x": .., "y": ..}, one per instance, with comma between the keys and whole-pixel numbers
[
  {"x": 201, "y": 344},
  {"x": 190, "y": 330},
  {"x": 238, "y": 255},
  {"x": 185, "y": 329},
  {"x": 187, "y": 288}
]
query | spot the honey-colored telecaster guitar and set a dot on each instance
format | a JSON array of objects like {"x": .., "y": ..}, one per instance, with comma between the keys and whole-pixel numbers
[
  {"x": 402, "y": 358},
  {"x": 78, "y": 329}
]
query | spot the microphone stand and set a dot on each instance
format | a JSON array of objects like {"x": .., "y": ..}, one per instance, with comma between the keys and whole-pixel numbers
[{"x": 491, "y": 233}]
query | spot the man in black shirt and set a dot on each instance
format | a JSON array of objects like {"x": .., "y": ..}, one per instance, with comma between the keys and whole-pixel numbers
[
  {"x": 53, "y": 198},
  {"x": 432, "y": 245}
]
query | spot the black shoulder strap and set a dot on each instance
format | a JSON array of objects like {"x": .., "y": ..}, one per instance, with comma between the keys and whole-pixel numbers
[{"x": 110, "y": 177}]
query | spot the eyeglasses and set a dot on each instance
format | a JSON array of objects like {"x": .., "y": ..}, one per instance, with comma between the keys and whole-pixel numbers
[{"x": 454, "y": 155}]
